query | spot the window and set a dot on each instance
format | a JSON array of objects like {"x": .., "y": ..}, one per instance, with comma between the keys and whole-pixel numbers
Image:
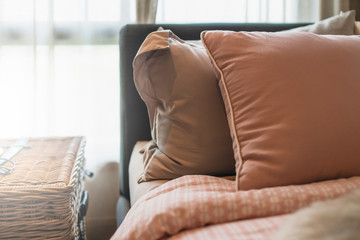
[
  {"x": 59, "y": 71},
  {"x": 237, "y": 11}
]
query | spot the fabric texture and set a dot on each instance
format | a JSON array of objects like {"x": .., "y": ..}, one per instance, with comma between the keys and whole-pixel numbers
[
  {"x": 191, "y": 202},
  {"x": 187, "y": 116},
  {"x": 291, "y": 101},
  {"x": 339, "y": 220},
  {"x": 251, "y": 229},
  {"x": 342, "y": 24}
]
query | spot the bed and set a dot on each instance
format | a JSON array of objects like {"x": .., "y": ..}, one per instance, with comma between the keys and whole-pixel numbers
[{"x": 194, "y": 204}]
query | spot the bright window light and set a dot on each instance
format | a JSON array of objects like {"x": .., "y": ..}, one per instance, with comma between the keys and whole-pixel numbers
[
  {"x": 16, "y": 10},
  {"x": 105, "y": 10},
  {"x": 69, "y": 10}
]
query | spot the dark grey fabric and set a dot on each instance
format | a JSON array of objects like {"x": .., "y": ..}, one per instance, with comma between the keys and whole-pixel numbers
[
  {"x": 134, "y": 118},
  {"x": 122, "y": 207}
]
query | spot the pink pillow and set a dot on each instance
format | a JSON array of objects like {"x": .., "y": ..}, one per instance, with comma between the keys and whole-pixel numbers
[{"x": 292, "y": 102}]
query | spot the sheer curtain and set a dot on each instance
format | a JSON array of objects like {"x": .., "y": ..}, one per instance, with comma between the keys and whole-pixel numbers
[
  {"x": 251, "y": 10},
  {"x": 59, "y": 71},
  {"x": 238, "y": 11},
  {"x": 59, "y": 76}
]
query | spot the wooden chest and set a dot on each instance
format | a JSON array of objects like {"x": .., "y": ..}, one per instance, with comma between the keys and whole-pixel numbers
[{"x": 41, "y": 188}]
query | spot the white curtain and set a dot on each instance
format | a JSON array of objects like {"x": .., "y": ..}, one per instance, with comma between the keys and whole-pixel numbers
[
  {"x": 59, "y": 75},
  {"x": 276, "y": 11},
  {"x": 59, "y": 71}
]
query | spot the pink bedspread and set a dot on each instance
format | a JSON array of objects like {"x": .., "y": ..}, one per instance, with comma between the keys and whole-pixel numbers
[
  {"x": 251, "y": 229},
  {"x": 178, "y": 209}
]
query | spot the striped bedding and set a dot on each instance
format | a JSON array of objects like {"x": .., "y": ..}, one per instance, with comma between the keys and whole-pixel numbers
[{"x": 205, "y": 207}]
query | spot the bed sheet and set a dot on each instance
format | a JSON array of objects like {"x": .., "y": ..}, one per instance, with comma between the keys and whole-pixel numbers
[
  {"x": 252, "y": 229},
  {"x": 192, "y": 202}
]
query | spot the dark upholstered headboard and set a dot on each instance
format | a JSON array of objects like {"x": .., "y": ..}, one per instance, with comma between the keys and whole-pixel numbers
[{"x": 134, "y": 119}]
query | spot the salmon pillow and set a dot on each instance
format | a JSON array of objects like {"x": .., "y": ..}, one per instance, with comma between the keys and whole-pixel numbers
[{"x": 292, "y": 103}]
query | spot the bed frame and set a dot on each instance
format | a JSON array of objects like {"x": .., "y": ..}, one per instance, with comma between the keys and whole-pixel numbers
[{"x": 133, "y": 114}]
